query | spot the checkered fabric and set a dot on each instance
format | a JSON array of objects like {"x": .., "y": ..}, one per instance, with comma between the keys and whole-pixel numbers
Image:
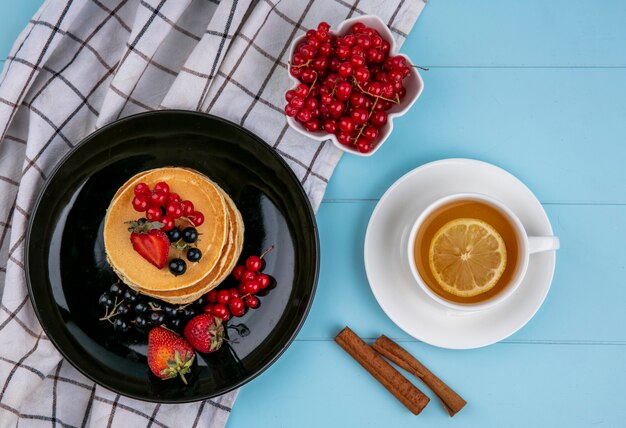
[{"x": 81, "y": 64}]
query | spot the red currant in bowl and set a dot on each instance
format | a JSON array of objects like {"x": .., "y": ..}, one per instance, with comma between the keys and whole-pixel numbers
[{"x": 350, "y": 84}]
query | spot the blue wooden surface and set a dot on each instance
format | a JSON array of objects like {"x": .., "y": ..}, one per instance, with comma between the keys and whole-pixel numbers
[{"x": 538, "y": 88}]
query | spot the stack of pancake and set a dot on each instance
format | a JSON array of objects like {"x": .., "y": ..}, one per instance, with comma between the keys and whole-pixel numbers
[{"x": 220, "y": 237}]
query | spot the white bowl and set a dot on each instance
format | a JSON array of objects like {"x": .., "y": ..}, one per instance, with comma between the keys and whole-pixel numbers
[{"x": 413, "y": 84}]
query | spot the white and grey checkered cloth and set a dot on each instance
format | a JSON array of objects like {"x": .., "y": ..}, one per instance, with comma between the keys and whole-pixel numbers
[{"x": 81, "y": 64}]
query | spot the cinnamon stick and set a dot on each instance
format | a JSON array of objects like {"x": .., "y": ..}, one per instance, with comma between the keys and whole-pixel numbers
[
  {"x": 398, "y": 385},
  {"x": 386, "y": 347}
]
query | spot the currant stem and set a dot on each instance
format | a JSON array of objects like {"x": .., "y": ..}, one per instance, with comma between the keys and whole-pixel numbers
[{"x": 264, "y": 253}]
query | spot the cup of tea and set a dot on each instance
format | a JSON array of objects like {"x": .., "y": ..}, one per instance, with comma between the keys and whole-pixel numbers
[{"x": 469, "y": 251}]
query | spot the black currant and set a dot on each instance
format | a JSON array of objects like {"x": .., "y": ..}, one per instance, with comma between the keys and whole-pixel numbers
[
  {"x": 194, "y": 254},
  {"x": 130, "y": 296},
  {"x": 174, "y": 234},
  {"x": 116, "y": 289},
  {"x": 156, "y": 318},
  {"x": 170, "y": 311},
  {"x": 178, "y": 266},
  {"x": 105, "y": 300},
  {"x": 124, "y": 309},
  {"x": 190, "y": 235},
  {"x": 140, "y": 321},
  {"x": 174, "y": 322},
  {"x": 140, "y": 308},
  {"x": 120, "y": 324}
]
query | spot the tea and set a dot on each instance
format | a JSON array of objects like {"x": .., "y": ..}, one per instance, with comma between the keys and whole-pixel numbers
[{"x": 466, "y": 209}]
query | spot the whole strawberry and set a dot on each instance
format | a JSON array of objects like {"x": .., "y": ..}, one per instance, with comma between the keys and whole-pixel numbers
[
  {"x": 169, "y": 355},
  {"x": 205, "y": 333}
]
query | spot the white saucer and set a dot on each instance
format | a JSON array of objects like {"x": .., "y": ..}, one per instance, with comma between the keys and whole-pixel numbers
[{"x": 390, "y": 277}]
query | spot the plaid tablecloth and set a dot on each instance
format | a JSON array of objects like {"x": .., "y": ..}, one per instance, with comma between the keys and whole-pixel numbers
[{"x": 80, "y": 64}]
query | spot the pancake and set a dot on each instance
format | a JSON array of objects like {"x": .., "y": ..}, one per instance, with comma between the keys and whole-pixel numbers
[
  {"x": 131, "y": 267},
  {"x": 230, "y": 256}
]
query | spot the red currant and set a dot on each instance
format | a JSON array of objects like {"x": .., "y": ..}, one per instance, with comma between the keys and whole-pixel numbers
[
  {"x": 290, "y": 110},
  {"x": 141, "y": 203},
  {"x": 290, "y": 94},
  {"x": 395, "y": 75},
  {"x": 379, "y": 118},
  {"x": 163, "y": 187},
  {"x": 196, "y": 217},
  {"x": 252, "y": 302},
  {"x": 330, "y": 126},
  {"x": 247, "y": 276},
  {"x": 405, "y": 71},
  {"x": 344, "y": 138},
  {"x": 363, "y": 145},
  {"x": 333, "y": 64},
  {"x": 323, "y": 26},
  {"x": 253, "y": 287},
  {"x": 357, "y": 51},
  {"x": 357, "y": 61},
  {"x": 381, "y": 77},
  {"x": 154, "y": 214},
  {"x": 142, "y": 189},
  {"x": 304, "y": 115},
  {"x": 385, "y": 47},
  {"x": 211, "y": 296},
  {"x": 345, "y": 69},
  {"x": 158, "y": 198},
  {"x": 223, "y": 296},
  {"x": 301, "y": 90},
  {"x": 397, "y": 62},
  {"x": 234, "y": 293},
  {"x": 370, "y": 31},
  {"x": 343, "y": 51},
  {"x": 326, "y": 49},
  {"x": 168, "y": 223},
  {"x": 174, "y": 197},
  {"x": 208, "y": 309},
  {"x": 346, "y": 124},
  {"x": 295, "y": 72},
  {"x": 307, "y": 51},
  {"x": 358, "y": 27},
  {"x": 221, "y": 311},
  {"x": 336, "y": 108},
  {"x": 320, "y": 63},
  {"x": 359, "y": 116},
  {"x": 254, "y": 263},
  {"x": 238, "y": 271},
  {"x": 349, "y": 40},
  {"x": 263, "y": 280},
  {"x": 362, "y": 74},
  {"x": 186, "y": 207},
  {"x": 174, "y": 210},
  {"x": 310, "y": 33},
  {"x": 297, "y": 102},
  {"x": 314, "y": 42},
  {"x": 236, "y": 306},
  {"x": 377, "y": 41},
  {"x": 308, "y": 75},
  {"x": 312, "y": 125},
  {"x": 310, "y": 103},
  {"x": 402, "y": 92},
  {"x": 343, "y": 91},
  {"x": 363, "y": 41},
  {"x": 357, "y": 99},
  {"x": 370, "y": 132},
  {"x": 326, "y": 99}
]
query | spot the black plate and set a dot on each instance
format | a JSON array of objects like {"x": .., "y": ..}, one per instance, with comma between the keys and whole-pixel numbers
[{"x": 67, "y": 270}]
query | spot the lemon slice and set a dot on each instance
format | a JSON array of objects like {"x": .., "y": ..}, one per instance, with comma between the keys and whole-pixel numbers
[{"x": 467, "y": 257}]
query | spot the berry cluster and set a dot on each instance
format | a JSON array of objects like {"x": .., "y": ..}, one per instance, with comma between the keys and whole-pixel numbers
[
  {"x": 125, "y": 309},
  {"x": 234, "y": 301},
  {"x": 164, "y": 206},
  {"x": 348, "y": 84},
  {"x": 183, "y": 240}
]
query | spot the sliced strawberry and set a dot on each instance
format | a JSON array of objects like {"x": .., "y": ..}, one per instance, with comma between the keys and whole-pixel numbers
[{"x": 153, "y": 246}]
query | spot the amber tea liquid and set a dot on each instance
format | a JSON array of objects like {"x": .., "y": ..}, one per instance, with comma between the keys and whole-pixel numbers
[{"x": 466, "y": 209}]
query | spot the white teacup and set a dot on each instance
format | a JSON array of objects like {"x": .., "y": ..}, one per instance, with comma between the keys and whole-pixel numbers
[{"x": 527, "y": 245}]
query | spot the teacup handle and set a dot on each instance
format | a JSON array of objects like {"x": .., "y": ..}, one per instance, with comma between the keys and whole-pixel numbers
[{"x": 539, "y": 244}]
